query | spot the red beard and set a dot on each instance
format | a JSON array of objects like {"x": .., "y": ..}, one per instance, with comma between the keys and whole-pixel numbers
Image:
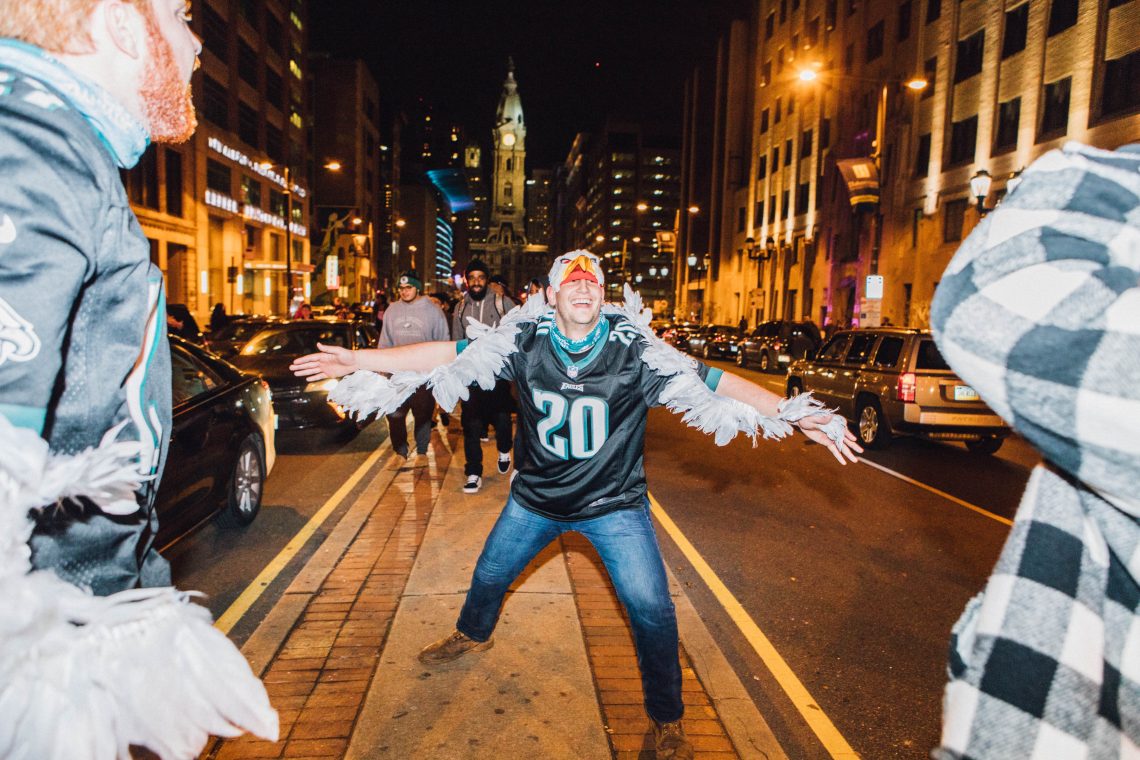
[{"x": 166, "y": 99}]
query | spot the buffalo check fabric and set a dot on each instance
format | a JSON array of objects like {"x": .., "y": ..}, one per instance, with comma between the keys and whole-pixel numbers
[{"x": 1039, "y": 310}]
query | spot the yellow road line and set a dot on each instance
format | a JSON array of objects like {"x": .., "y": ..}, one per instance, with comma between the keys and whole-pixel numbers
[
  {"x": 253, "y": 591},
  {"x": 935, "y": 491},
  {"x": 819, "y": 723}
]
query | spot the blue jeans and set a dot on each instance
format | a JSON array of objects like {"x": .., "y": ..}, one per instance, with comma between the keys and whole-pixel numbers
[{"x": 628, "y": 547}]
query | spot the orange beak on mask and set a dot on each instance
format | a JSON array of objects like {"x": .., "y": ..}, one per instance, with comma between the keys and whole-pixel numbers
[{"x": 581, "y": 268}]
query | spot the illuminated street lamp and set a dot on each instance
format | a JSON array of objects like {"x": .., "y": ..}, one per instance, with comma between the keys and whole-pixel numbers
[
  {"x": 333, "y": 166},
  {"x": 980, "y": 186},
  {"x": 642, "y": 206},
  {"x": 694, "y": 209}
]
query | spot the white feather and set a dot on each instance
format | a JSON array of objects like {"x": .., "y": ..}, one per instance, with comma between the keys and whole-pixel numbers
[
  {"x": 363, "y": 393},
  {"x": 85, "y": 677},
  {"x": 699, "y": 407},
  {"x": 31, "y": 476}
]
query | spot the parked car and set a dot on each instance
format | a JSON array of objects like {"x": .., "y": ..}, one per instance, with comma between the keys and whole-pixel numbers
[
  {"x": 301, "y": 404},
  {"x": 229, "y": 340},
  {"x": 700, "y": 337},
  {"x": 776, "y": 344},
  {"x": 893, "y": 380},
  {"x": 720, "y": 342},
  {"x": 222, "y": 445},
  {"x": 678, "y": 335}
]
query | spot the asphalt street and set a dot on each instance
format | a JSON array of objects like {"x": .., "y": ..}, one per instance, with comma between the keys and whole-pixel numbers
[{"x": 854, "y": 574}]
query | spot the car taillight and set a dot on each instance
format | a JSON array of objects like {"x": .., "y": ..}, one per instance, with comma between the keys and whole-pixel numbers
[
  {"x": 777, "y": 345},
  {"x": 905, "y": 390}
]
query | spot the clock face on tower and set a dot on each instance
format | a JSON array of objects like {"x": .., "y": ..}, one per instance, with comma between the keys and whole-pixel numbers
[{"x": 509, "y": 139}]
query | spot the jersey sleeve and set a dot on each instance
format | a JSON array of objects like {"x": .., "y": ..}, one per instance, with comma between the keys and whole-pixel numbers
[
  {"x": 48, "y": 227},
  {"x": 652, "y": 383}
]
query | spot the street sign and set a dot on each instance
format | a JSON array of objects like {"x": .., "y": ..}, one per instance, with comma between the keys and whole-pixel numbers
[
  {"x": 870, "y": 312},
  {"x": 874, "y": 286}
]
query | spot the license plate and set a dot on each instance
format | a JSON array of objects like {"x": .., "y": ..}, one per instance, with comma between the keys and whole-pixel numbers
[{"x": 965, "y": 393}]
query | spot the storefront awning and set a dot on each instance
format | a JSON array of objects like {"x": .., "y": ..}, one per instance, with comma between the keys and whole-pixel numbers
[{"x": 862, "y": 179}]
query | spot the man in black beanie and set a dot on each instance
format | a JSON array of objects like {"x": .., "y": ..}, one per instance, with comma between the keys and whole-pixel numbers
[{"x": 483, "y": 407}]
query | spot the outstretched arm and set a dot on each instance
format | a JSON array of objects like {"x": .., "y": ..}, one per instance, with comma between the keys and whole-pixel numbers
[
  {"x": 768, "y": 403},
  {"x": 334, "y": 361}
]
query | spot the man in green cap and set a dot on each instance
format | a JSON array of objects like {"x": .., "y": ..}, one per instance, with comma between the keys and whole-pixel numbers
[{"x": 412, "y": 319}]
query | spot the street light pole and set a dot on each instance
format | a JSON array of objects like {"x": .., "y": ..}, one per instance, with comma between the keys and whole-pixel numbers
[
  {"x": 877, "y": 159},
  {"x": 288, "y": 242}
]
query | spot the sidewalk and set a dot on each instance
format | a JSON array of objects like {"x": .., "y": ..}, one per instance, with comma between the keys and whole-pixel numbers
[{"x": 338, "y": 650}]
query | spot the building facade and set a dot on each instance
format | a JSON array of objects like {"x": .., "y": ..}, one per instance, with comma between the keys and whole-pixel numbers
[
  {"x": 844, "y": 136},
  {"x": 618, "y": 194},
  {"x": 222, "y": 210},
  {"x": 539, "y": 190},
  {"x": 349, "y": 207}
]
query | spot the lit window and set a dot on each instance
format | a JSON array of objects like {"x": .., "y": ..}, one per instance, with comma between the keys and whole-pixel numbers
[
  {"x": 296, "y": 21},
  {"x": 295, "y": 120},
  {"x": 295, "y": 68}
]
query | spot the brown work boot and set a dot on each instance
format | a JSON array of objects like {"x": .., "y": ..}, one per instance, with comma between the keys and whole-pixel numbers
[
  {"x": 452, "y": 647},
  {"x": 670, "y": 742}
]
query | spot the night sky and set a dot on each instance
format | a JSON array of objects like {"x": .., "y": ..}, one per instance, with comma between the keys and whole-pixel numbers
[{"x": 576, "y": 62}]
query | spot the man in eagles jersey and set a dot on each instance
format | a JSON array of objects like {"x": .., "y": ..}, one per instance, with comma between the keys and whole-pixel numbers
[{"x": 584, "y": 393}]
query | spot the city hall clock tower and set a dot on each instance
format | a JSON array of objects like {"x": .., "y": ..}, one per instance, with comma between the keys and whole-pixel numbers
[{"x": 508, "y": 206}]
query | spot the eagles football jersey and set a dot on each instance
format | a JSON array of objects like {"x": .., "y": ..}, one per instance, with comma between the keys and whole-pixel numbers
[{"x": 582, "y": 421}]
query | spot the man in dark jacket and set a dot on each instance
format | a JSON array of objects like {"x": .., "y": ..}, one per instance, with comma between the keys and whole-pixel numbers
[
  {"x": 82, "y": 313},
  {"x": 483, "y": 407}
]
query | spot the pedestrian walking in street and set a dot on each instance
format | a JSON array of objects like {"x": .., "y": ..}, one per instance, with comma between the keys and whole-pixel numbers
[
  {"x": 1039, "y": 311},
  {"x": 412, "y": 319},
  {"x": 97, "y": 652},
  {"x": 587, "y": 375},
  {"x": 483, "y": 407}
]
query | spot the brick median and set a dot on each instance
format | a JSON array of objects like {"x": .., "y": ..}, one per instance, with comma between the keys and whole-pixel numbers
[
  {"x": 320, "y": 677},
  {"x": 609, "y": 646}
]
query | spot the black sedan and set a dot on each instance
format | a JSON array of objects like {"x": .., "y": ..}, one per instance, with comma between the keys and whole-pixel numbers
[
  {"x": 222, "y": 445},
  {"x": 301, "y": 404},
  {"x": 227, "y": 341}
]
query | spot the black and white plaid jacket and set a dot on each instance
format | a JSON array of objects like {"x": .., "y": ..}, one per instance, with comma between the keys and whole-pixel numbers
[{"x": 1040, "y": 311}]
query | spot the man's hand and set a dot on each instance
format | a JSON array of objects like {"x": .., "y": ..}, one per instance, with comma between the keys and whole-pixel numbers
[
  {"x": 847, "y": 446},
  {"x": 332, "y": 361}
]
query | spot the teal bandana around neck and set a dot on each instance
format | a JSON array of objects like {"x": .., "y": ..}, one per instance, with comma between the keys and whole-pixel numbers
[
  {"x": 125, "y": 136},
  {"x": 578, "y": 346},
  {"x": 594, "y": 342}
]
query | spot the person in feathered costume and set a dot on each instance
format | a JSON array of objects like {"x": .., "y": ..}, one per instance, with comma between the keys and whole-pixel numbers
[
  {"x": 97, "y": 652},
  {"x": 586, "y": 374}
]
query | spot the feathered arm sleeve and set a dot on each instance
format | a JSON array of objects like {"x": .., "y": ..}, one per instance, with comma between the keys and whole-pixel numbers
[
  {"x": 363, "y": 393},
  {"x": 686, "y": 393}
]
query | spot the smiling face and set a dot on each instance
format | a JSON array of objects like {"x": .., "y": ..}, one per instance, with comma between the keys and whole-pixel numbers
[
  {"x": 577, "y": 306},
  {"x": 172, "y": 57}
]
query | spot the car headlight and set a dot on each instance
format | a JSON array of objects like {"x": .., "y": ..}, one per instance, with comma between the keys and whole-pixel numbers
[{"x": 322, "y": 385}]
